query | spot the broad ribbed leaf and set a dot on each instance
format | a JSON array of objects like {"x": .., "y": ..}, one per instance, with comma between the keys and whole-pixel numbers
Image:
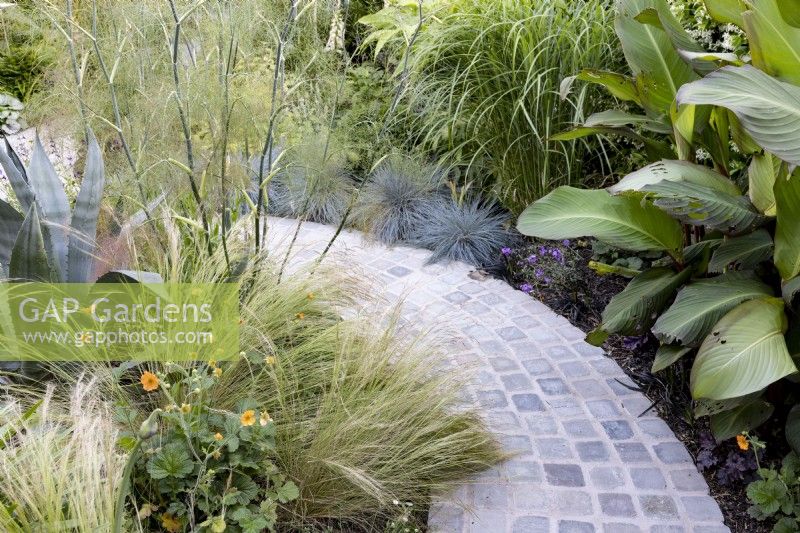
[
  {"x": 762, "y": 173},
  {"x": 659, "y": 69},
  {"x": 787, "y": 230},
  {"x": 700, "y": 305},
  {"x": 53, "y": 202},
  {"x": 727, "y": 11},
  {"x": 673, "y": 170},
  {"x": 728, "y": 424},
  {"x": 655, "y": 150},
  {"x": 10, "y": 224},
  {"x": 744, "y": 352},
  {"x": 16, "y": 176},
  {"x": 668, "y": 355},
  {"x": 768, "y": 109},
  {"x": 616, "y": 118},
  {"x": 790, "y": 11},
  {"x": 634, "y": 310},
  {"x": 622, "y": 87},
  {"x": 702, "y": 206},
  {"x": 84, "y": 216},
  {"x": 742, "y": 253},
  {"x": 708, "y": 407},
  {"x": 620, "y": 221},
  {"x": 774, "y": 44},
  {"x": 29, "y": 258}
]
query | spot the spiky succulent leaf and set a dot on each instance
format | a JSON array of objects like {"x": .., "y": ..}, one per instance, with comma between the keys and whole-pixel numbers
[
  {"x": 17, "y": 176},
  {"x": 52, "y": 199},
  {"x": 633, "y": 311},
  {"x": 742, "y": 253},
  {"x": 728, "y": 424},
  {"x": 700, "y": 305},
  {"x": 10, "y": 224},
  {"x": 744, "y": 352},
  {"x": 674, "y": 170},
  {"x": 768, "y": 109},
  {"x": 84, "y": 216},
  {"x": 621, "y": 221},
  {"x": 702, "y": 206},
  {"x": 29, "y": 259}
]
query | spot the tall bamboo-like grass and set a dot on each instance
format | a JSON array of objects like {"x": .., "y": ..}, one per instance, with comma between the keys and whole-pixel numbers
[
  {"x": 484, "y": 83},
  {"x": 60, "y": 470}
]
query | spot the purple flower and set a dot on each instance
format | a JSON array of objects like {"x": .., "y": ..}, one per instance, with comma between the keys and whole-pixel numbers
[
  {"x": 565, "y": 242},
  {"x": 526, "y": 288},
  {"x": 506, "y": 251},
  {"x": 532, "y": 259},
  {"x": 547, "y": 281},
  {"x": 538, "y": 272},
  {"x": 542, "y": 250},
  {"x": 557, "y": 254}
]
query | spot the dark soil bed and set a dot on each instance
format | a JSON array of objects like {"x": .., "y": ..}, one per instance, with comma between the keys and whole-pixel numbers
[{"x": 581, "y": 295}]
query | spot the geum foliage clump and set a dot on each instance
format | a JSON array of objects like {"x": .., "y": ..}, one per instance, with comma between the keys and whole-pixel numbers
[{"x": 726, "y": 289}]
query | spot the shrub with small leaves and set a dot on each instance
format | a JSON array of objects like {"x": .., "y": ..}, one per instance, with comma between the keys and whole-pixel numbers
[
  {"x": 195, "y": 465},
  {"x": 776, "y": 496}
]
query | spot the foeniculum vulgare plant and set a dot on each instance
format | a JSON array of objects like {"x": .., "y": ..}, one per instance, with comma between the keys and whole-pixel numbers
[{"x": 726, "y": 292}]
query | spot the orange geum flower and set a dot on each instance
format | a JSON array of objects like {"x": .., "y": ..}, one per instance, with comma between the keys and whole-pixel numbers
[
  {"x": 300, "y": 316},
  {"x": 743, "y": 443},
  {"x": 248, "y": 418},
  {"x": 218, "y": 436},
  {"x": 149, "y": 381}
]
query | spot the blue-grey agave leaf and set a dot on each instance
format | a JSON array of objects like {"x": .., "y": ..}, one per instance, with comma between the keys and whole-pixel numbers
[
  {"x": 53, "y": 201},
  {"x": 10, "y": 223},
  {"x": 84, "y": 216},
  {"x": 17, "y": 176},
  {"x": 29, "y": 257}
]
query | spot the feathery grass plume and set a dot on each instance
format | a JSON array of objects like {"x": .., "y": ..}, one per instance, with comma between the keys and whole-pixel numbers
[
  {"x": 395, "y": 193},
  {"x": 471, "y": 231},
  {"x": 363, "y": 412},
  {"x": 483, "y": 88},
  {"x": 314, "y": 184},
  {"x": 60, "y": 469}
]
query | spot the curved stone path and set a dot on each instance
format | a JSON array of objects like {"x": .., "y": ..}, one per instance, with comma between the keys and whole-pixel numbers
[{"x": 589, "y": 456}]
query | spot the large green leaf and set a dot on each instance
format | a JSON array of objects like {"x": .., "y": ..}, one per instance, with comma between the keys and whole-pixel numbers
[
  {"x": 634, "y": 310},
  {"x": 762, "y": 173},
  {"x": 742, "y": 253},
  {"x": 787, "y": 230},
  {"x": 768, "y": 109},
  {"x": 728, "y": 424},
  {"x": 29, "y": 259},
  {"x": 622, "y": 87},
  {"x": 774, "y": 44},
  {"x": 744, "y": 352},
  {"x": 700, "y": 305},
  {"x": 658, "y": 68},
  {"x": 10, "y": 223},
  {"x": 667, "y": 355},
  {"x": 790, "y": 11},
  {"x": 702, "y": 206},
  {"x": 624, "y": 222},
  {"x": 727, "y": 11},
  {"x": 84, "y": 217},
  {"x": 52, "y": 200},
  {"x": 616, "y": 118},
  {"x": 655, "y": 150},
  {"x": 673, "y": 170}
]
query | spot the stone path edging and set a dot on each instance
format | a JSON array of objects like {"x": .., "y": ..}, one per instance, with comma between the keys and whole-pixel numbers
[{"x": 585, "y": 460}]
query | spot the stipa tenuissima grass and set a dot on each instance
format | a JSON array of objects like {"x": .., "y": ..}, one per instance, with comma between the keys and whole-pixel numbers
[
  {"x": 397, "y": 192},
  {"x": 472, "y": 232}
]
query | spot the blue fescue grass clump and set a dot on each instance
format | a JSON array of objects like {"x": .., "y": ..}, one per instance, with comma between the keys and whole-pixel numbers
[
  {"x": 394, "y": 196},
  {"x": 473, "y": 232}
]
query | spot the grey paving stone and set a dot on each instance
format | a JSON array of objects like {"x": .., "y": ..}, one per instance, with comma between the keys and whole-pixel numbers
[
  {"x": 672, "y": 453},
  {"x": 592, "y": 451},
  {"x": 399, "y": 271},
  {"x": 531, "y": 524},
  {"x": 648, "y": 478},
  {"x": 573, "y": 526},
  {"x": 616, "y": 504},
  {"x": 553, "y": 448},
  {"x": 483, "y": 520},
  {"x": 617, "y": 527},
  {"x": 457, "y": 297},
  {"x": 564, "y": 475},
  {"x": 553, "y": 386},
  {"x": 580, "y": 428},
  {"x": 657, "y": 506},
  {"x": 632, "y": 452},
  {"x": 607, "y": 477},
  {"x": 655, "y": 427},
  {"x": 574, "y": 369},
  {"x": 603, "y": 408},
  {"x": 494, "y": 348},
  {"x": 521, "y": 470},
  {"x": 516, "y": 382},
  {"x": 503, "y": 364},
  {"x": 688, "y": 480},
  {"x": 541, "y": 425},
  {"x": 572, "y": 502},
  {"x": 590, "y": 388},
  {"x": 617, "y": 429},
  {"x": 490, "y": 495},
  {"x": 528, "y": 402},
  {"x": 537, "y": 367},
  {"x": 701, "y": 508},
  {"x": 445, "y": 518},
  {"x": 503, "y": 421},
  {"x": 561, "y": 353},
  {"x": 492, "y": 399},
  {"x": 516, "y": 443},
  {"x": 510, "y": 333},
  {"x": 618, "y": 385},
  {"x": 566, "y": 406},
  {"x": 664, "y": 528}
]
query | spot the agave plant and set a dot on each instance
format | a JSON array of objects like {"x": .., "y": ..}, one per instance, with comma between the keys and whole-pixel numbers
[
  {"x": 51, "y": 242},
  {"x": 726, "y": 291}
]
